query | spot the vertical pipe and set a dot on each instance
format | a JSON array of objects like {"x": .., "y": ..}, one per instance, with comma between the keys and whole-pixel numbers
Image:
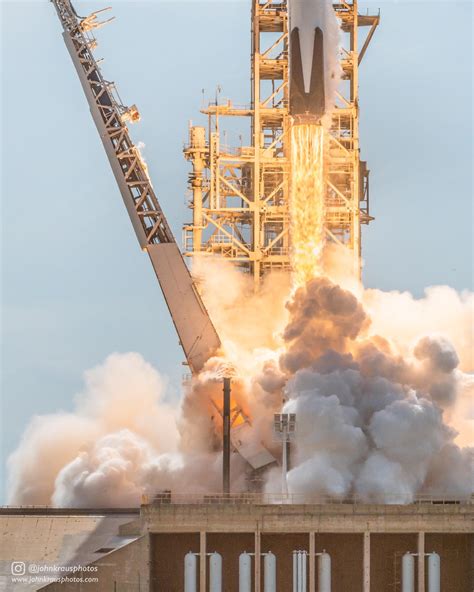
[
  {"x": 434, "y": 572},
  {"x": 421, "y": 561},
  {"x": 295, "y": 571},
  {"x": 258, "y": 561},
  {"x": 304, "y": 558},
  {"x": 300, "y": 571},
  {"x": 215, "y": 572},
  {"x": 324, "y": 572},
  {"x": 312, "y": 551},
  {"x": 408, "y": 573},
  {"x": 245, "y": 572},
  {"x": 366, "y": 587},
  {"x": 226, "y": 439},
  {"x": 202, "y": 561},
  {"x": 190, "y": 572},
  {"x": 269, "y": 572}
]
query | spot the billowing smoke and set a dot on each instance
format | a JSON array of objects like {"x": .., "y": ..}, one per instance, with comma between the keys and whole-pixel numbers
[
  {"x": 120, "y": 442},
  {"x": 379, "y": 417},
  {"x": 370, "y": 422}
]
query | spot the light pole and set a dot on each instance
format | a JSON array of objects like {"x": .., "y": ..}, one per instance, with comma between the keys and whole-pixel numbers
[{"x": 284, "y": 425}]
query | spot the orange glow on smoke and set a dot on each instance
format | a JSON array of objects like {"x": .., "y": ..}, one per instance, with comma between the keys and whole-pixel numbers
[
  {"x": 238, "y": 415},
  {"x": 307, "y": 208}
]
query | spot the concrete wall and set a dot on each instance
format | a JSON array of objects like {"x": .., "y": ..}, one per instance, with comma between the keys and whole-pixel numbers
[
  {"x": 123, "y": 570},
  {"x": 50, "y": 537},
  {"x": 318, "y": 518}
]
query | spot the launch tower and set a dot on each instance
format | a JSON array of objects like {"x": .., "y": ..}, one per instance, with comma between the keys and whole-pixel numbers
[{"x": 240, "y": 196}]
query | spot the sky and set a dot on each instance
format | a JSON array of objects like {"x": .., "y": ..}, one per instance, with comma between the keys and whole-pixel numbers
[{"x": 75, "y": 287}]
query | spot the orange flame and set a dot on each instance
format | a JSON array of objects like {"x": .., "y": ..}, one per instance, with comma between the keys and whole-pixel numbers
[{"x": 307, "y": 208}]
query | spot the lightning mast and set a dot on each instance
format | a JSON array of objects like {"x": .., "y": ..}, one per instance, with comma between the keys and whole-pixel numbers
[{"x": 196, "y": 332}]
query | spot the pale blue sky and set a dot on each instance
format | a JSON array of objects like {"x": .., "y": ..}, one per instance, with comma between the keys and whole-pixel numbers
[{"x": 75, "y": 285}]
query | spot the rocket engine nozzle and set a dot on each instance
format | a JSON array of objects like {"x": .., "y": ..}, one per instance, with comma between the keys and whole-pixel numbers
[{"x": 307, "y": 106}]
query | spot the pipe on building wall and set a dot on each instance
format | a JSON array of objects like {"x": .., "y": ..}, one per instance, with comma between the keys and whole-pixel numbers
[
  {"x": 408, "y": 572},
  {"x": 434, "y": 572},
  {"x": 303, "y": 561},
  {"x": 324, "y": 572},
  {"x": 299, "y": 571},
  {"x": 245, "y": 572},
  {"x": 269, "y": 572},
  {"x": 295, "y": 571},
  {"x": 190, "y": 572},
  {"x": 215, "y": 572}
]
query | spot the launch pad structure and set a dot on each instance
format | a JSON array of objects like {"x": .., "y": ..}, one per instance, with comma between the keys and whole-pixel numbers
[
  {"x": 240, "y": 204},
  {"x": 240, "y": 196}
]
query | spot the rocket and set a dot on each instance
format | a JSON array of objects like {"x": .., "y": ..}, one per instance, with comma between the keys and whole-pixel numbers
[{"x": 307, "y": 94}]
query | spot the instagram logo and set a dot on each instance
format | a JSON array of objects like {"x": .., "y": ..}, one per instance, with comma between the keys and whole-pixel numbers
[{"x": 18, "y": 568}]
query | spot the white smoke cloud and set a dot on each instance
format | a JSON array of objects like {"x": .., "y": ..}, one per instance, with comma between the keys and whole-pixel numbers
[
  {"x": 122, "y": 402},
  {"x": 374, "y": 422},
  {"x": 115, "y": 470},
  {"x": 381, "y": 417},
  {"x": 441, "y": 310}
]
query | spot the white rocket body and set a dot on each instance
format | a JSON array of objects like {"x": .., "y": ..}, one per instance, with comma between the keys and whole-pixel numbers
[{"x": 314, "y": 64}]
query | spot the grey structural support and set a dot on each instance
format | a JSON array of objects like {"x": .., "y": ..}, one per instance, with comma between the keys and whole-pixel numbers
[
  {"x": 202, "y": 561},
  {"x": 312, "y": 552},
  {"x": 421, "y": 561},
  {"x": 258, "y": 560}
]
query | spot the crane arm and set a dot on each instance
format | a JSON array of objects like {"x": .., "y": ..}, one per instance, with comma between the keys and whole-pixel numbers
[{"x": 196, "y": 332}]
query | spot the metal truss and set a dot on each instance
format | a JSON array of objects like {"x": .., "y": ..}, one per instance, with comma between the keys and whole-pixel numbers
[
  {"x": 110, "y": 115},
  {"x": 240, "y": 195},
  {"x": 196, "y": 332}
]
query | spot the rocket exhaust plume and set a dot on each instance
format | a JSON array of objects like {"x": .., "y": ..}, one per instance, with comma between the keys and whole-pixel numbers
[
  {"x": 307, "y": 204},
  {"x": 314, "y": 73}
]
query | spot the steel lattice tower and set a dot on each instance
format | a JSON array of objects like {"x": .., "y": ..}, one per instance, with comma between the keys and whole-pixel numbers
[{"x": 240, "y": 195}]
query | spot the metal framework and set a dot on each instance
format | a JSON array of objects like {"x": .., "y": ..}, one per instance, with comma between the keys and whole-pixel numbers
[
  {"x": 240, "y": 196},
  {"x": 194, "y": 327}
]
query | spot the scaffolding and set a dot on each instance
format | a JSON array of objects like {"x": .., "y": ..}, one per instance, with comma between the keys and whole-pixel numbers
[{"x": 240, "y": 196}]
